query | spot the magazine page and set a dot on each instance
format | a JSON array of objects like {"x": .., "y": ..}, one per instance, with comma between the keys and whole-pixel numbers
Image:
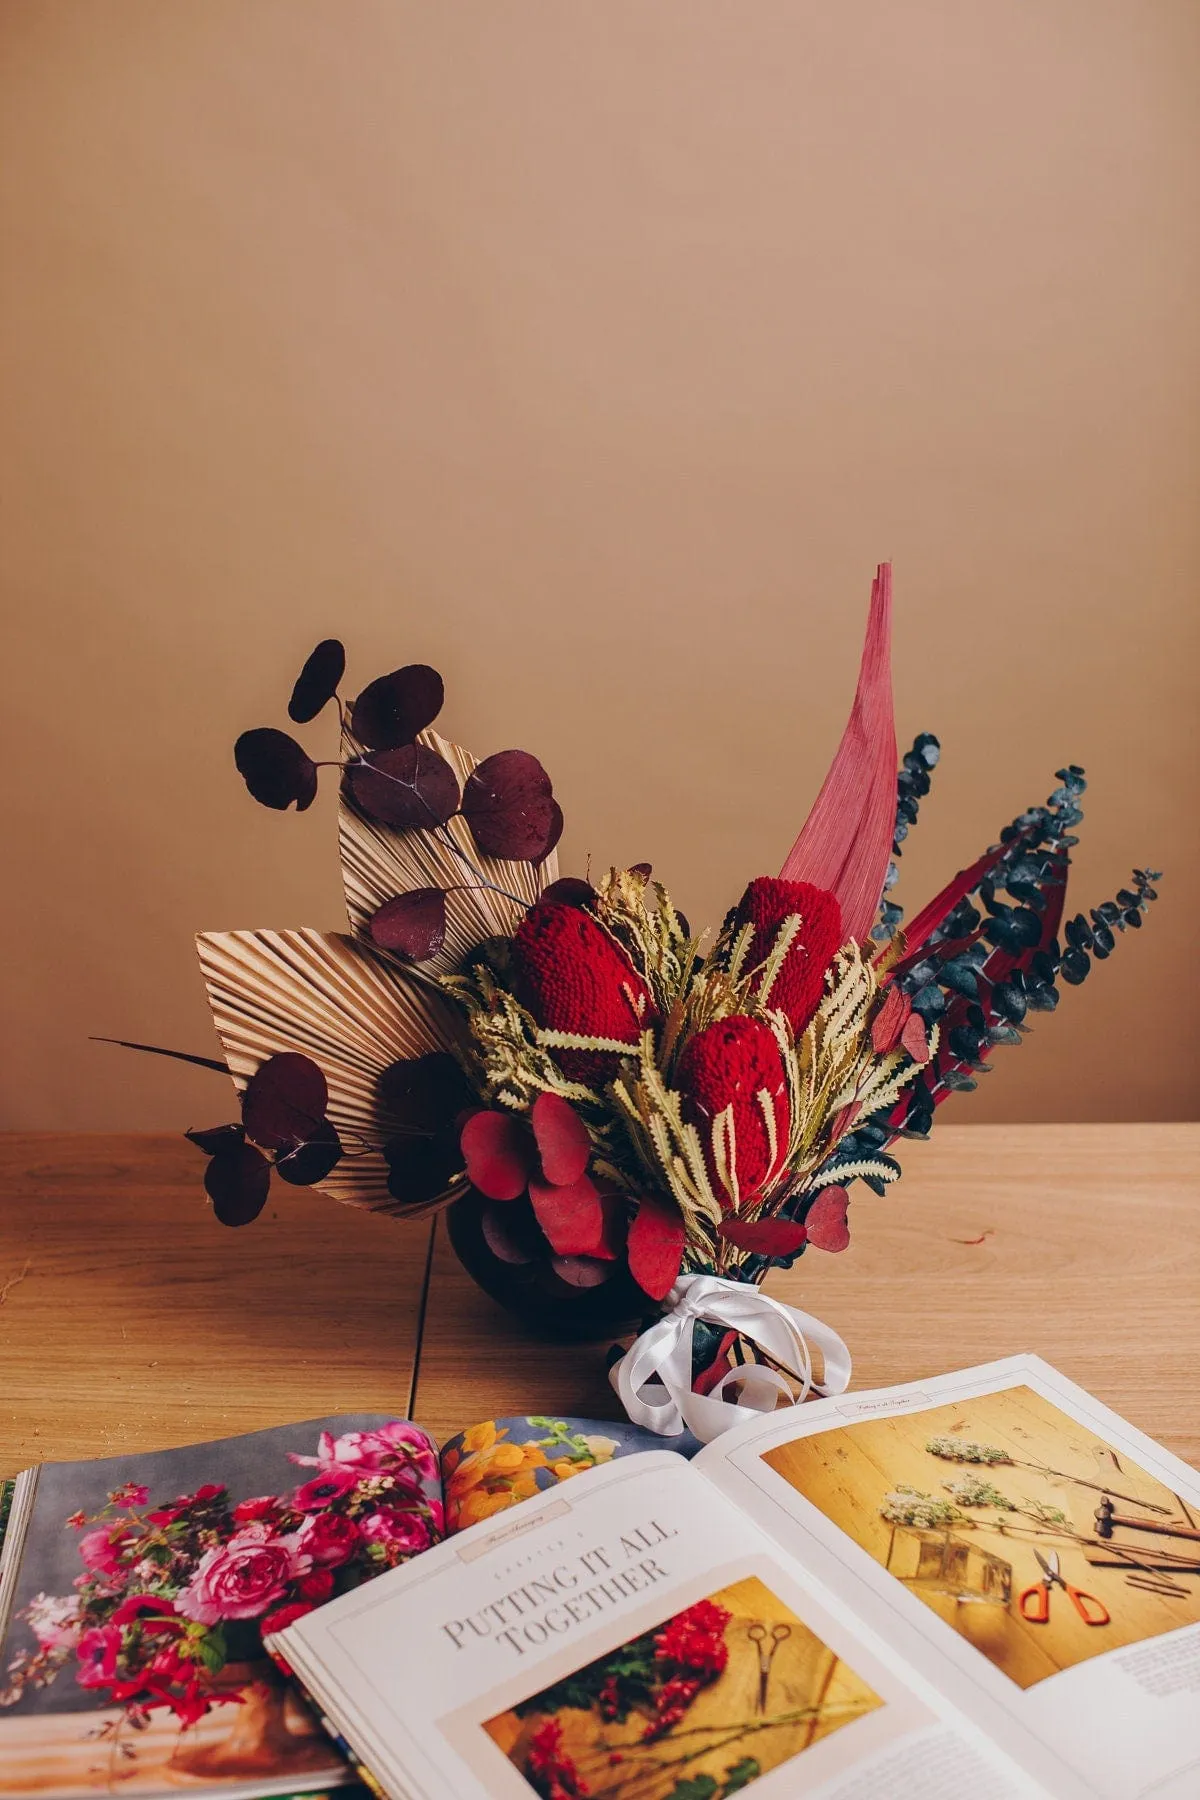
[
  {"x": 1030, "y": 1552},
  {"x": 630, "y": 1636},
  {"x": 134, "y": 1592},
  {"x": 499, "y": 1462}
]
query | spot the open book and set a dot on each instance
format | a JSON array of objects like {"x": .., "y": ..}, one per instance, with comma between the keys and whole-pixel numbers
[
  {"x": 982, "y": 1585},
  {"x": 135, "y": 1591}
]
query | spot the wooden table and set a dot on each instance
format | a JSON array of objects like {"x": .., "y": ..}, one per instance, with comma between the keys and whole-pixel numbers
[{"x": 129, "y": 1319}]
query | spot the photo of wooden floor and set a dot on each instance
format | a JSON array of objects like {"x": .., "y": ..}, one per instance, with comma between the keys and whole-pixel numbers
[{"x": 957, "y": 1501}]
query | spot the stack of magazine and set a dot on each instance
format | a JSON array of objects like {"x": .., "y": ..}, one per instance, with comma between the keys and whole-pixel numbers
[{"x": 984, "y": 1585}]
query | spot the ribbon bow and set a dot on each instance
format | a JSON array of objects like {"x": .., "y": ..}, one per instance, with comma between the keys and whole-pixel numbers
[{"x": 661, "y": 1359}]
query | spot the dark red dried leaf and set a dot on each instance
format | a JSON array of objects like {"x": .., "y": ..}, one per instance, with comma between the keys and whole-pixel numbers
[
  {"x": 413, "y": 925},
  {"x": 310, "y": 1162},
  {"x": 562, "y": 1139},
  {"x": 616, "y": 1225},
  {"x": 237, "y": 1182},
  {"x": 890, "y": 1020},
  {"x": 217, "y": 1138},
  {"x": 509, "y": 804},
  {"x": 511, "y": 1232},
  {"x": 915, "y": 1038},
  {"x": 317, "y": 681},
  {"x": 582, "y": 1271},
  {"x": 277, "y": 770},
  {"x": 645, "y": 870},
  {"x": 825, "y": 1220},
  {"x": 284, "y": 1101},
  {"x": 571, "y": 1217},
  {"x": 425, "y": 1093},
  {"x": 656, "y": 1240},
  {"x": 765, "y": 1237},
  {"x": 411, "y": 788},
  {"x": 392, "y": 710},
  {"x": 570, "y": 890},
  {"x": 201, "y": 1062},
  {"x": 499, "y": 1154},
  {"x": 422, "y": 1168}
]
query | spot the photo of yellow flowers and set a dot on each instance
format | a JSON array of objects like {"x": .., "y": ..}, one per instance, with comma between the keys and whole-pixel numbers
[
  {"x": 496, "y": 1464},
  {"x": 696, "y": 1708}
]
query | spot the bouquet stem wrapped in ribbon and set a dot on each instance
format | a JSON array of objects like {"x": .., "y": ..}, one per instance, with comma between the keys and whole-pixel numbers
[{"x": 612, "y": 1106}]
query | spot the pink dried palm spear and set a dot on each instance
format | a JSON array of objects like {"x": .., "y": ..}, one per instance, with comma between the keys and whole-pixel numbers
[{"x": 846, "y": 842}]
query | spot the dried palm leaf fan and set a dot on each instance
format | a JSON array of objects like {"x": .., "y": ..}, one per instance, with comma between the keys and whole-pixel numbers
[{"x": 605, "y": 1102}]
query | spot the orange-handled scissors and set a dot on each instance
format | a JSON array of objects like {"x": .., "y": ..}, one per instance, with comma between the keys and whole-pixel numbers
[{"x": 1034, "y": 1603}]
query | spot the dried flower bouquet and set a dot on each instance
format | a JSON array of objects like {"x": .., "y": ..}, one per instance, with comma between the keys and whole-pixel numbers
[{"x": 604, "y": 1098}]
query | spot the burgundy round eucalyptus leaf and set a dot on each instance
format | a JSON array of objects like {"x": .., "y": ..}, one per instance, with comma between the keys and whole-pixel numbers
[
  {"x": 284, "y": 1101},
  {"x": 571, "y": 1217},
  {"x": 277, "y": 770},
  {"x": 317, "y": 681},
  {"x": 645, "y": 870},
  {"x": 511, "y": 1232},
  {"x": 425, "y": 1093},
  {"x": 237, "y": 1182},
  {"x": 825, "y": 1220},
  {"x": 411, "y": 788},
  {"x": 499, "y": 1154},
  {"x": 765, "y": 1237},
  {"x": 217, "y": 1138},
  {"x": 583, "y": 1271},
  {"x": 656, "y": 1244},
  {"x": 570, "y": 890},
  {"x": 421, "y": 1168},
  {"x": 562, "y": 1139},
  {"x": 413, "y": 925},
  {"x": 509, "y": 804},
  {"x": 392, "y": 710},
  {"x": 312, "y": 1161}
]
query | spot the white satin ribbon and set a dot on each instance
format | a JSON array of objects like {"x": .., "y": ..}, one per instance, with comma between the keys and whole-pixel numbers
[{"x": 659, "y": 1362}]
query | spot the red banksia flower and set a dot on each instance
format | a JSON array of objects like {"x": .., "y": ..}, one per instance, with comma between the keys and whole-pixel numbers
[
  {"x": 734, "y": 1067},
  {"x": 797, "y": 989},
  {"x": 574, "y": 978}
]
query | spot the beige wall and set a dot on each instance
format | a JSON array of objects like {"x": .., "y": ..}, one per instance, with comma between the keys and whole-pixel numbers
[{"x": 595, "y": 354}]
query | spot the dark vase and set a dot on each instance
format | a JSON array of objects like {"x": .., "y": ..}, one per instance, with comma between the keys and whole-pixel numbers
[{"x": 536, "y": 1294}]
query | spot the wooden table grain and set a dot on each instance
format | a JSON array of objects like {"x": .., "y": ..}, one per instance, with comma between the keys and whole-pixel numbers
[
  {"x": 1079, "y": 1242},
  {"x": 130, "y": 1320}
]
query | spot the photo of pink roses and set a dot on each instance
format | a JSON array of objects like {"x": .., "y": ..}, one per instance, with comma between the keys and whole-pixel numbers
[{"x": 133, "y": 1658}]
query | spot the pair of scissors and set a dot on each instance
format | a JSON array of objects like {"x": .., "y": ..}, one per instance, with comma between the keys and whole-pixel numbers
[
  {"x": 1034, "y": 1602},
  {"x": 767, "y": 1643}
]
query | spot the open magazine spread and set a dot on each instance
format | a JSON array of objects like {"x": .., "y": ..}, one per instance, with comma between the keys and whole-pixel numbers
[{"x": 986, "y": 1584}]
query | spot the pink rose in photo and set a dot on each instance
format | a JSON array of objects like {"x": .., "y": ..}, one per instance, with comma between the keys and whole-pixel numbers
[
  {"x": 329, "y": 1538},
  {"x": 100, "y": 1549},
  {"x": 324, "y": 1488},
  {"x": 393, "y": 1447},
  {"x": 241, "y": 1579},
  {"x": 54, "y": 1620},
  {"x": 97, "y": 1651},
  {"x": 407, "y": 1532}
]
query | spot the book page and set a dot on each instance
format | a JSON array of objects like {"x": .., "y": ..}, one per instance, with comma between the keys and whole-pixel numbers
[
  {"x": 1027, "y": 1550},
  {"x": 630, "y": 1636},
  {"x": 134, "y": 1591}
]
